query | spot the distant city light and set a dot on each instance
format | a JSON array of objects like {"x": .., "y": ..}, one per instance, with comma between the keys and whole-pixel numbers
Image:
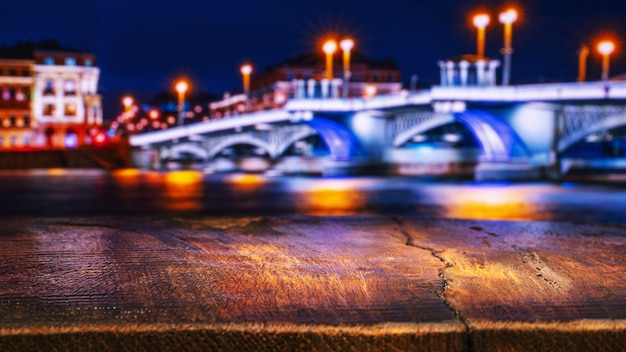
[
  {"x": 71, "y": 140},
  {"x": 100, "y": 138},
  {"x": 127, "y": 101},
  {"x": 370, "y": 90}
]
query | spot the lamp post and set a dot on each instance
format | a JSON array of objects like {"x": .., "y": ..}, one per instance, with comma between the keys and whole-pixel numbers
[
  {"x": 507, "y": 18},
  {"x": 582, "y": 63},
  {"x": 346, "y": 45},
  {"x": 181, "y": 88},
  {"x": 329, "y": 49},
  {"x": 605, "y": 48},
  {"x": 480, "y": 22},
  {"x": 127, "y": 102},
  {"x": 246, "y": 70}
]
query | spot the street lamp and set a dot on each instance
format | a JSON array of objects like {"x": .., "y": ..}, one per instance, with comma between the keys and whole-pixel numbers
[
  {"x": 181, "y": 88},
  {"x": 127, "y": 102},
  {"x": 605, "y": 48},
  {"x": 346, "y": 45},
  {"x": 246, "y": 70},
  {"x": 480, "y": 22},
  {"x": 507, "y": 18},
  {"x": 582, "y": 63},
  {"x": 329, "y": 49}
]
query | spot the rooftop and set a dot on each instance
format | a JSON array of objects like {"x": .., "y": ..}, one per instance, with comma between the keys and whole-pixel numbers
[{"x": 27, "y": 49}]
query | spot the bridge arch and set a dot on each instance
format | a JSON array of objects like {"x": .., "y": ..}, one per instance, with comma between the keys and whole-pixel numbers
[
  {"x": 192, "y": 148},
  {"x": 342, "y": 144},
  {"x": 576, "y": 123},
  {"x": 288, "y": 142},
  {"x": 409, "y": 125},
  {"x": 224, "y": 143},
  {"x": 498, "y": 140}
]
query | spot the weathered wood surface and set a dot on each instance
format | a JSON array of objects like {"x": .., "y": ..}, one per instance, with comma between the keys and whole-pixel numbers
[{"x": 309, "y": 283}]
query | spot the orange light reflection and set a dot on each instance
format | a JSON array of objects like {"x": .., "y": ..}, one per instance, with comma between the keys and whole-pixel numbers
[
  {"x": 183, "y": 190},
  {"x": 489, "y": 203},
  {"x": 248, "y": 181},
  {"x": 333, "y": 198}
]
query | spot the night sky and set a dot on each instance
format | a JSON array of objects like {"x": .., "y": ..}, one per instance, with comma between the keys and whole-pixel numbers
[{"x": 143, "y": 46}]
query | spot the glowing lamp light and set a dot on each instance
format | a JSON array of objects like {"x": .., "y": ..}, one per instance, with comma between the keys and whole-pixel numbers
[
  {"x": 127, "y": 101},
  {"x": 246, "y": 69},
  {"x": 346, "y": 44},
  {"x": 329, "y": 47},
  {"x": 153, "y": 114},
  {"x": 509, "y": 16},
  {"x": 606, "y": 47},
  {"x": 181, "y": 87},
  {"x": 481, "y": 20},
  {"x": 370, "y": 90}
]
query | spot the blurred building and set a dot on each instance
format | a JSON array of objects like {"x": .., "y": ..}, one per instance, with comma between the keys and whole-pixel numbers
[
  {"x": 304, "y": 77},
  {"x": 48, "y": 97}
]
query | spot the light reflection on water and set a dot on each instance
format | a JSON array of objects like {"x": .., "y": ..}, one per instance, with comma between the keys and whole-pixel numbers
[
  {"x": 131, "y": 192},
  {"x": 493, "y": 202}
]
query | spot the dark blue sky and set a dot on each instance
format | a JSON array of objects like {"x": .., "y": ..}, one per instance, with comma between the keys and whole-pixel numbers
[{"x": 142, "y": 46}]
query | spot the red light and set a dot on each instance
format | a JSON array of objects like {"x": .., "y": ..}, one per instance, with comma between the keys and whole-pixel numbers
[{"x": 100, "y": 138}]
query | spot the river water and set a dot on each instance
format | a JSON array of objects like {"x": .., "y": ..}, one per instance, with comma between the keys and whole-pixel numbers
[{"x": 60, "y": 192}]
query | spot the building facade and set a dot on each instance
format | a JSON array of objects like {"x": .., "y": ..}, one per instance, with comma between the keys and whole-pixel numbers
[{"x": 49, "y": 97}]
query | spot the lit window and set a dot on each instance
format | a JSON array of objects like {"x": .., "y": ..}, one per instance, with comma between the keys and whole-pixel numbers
[
  {"x": 70, "y": 61},
  {"x": 48, "y": 110},
  {"x": 1, "y": 142},
  {"x": 48, "y": 60},
  {"x": 26, "y": 139},
  {"x": 70, "y": 109},
  {"x": 20, "y": 96},
  {"x": 6, "y": 95},
  {"x": 13, "y": 140},
  {"x": 70, "y": 86}
]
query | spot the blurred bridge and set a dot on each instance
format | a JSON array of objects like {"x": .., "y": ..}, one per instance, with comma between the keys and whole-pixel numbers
[{"x": 509, "y": 130}]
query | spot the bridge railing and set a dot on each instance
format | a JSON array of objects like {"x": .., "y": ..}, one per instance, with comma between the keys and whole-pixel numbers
[{"x": 534, "y": 92}]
